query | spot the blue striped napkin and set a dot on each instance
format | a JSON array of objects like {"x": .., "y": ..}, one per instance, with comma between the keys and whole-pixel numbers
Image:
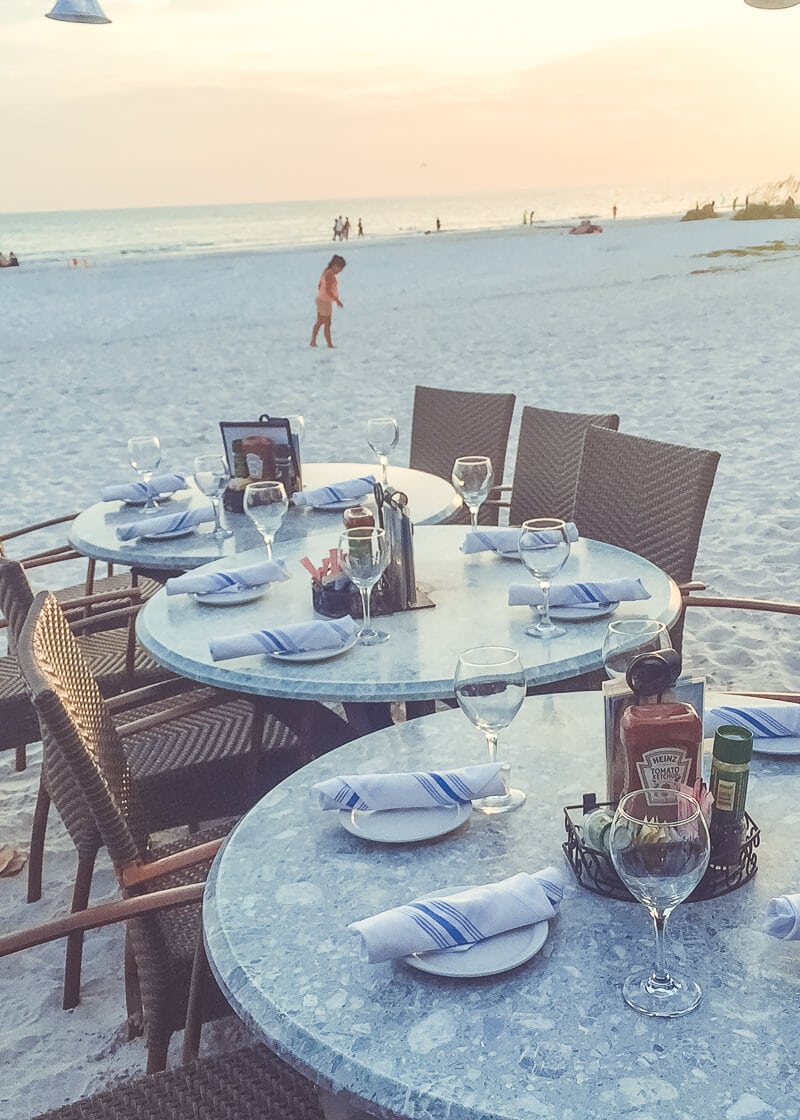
[
  {"x": 578, "y": 594},
  {"x": 460, "y": 919},
  {"x": 766, "y": 721},
  {"x": 433, "y": 790},
  {"x": 505, "y": 541},
  {"x": 232, "y": 579},
  {"x": 297, "y": 637},
  {"x": 141, "y": 491},
  {"x": 783, "y": 917},
  {"x": 165, "y": 523},
  {"x": 354, "y": 488}
]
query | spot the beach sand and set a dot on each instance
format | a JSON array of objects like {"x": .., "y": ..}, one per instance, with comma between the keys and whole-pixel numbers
[{"x": 686, "y": 347}]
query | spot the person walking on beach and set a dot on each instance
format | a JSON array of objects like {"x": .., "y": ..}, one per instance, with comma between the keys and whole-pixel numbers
[
  {"x": 346, "y": 229},
  {"x": 360, "y": 228},
  {"x": 327, "y": 295},
  {"x": 614, "y": 210}
]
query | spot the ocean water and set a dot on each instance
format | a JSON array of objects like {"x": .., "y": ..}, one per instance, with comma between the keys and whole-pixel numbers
[{"x": 55, "y": 238}]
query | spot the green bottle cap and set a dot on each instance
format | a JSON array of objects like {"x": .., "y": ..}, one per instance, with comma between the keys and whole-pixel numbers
[{"x": 733, "y": 744}]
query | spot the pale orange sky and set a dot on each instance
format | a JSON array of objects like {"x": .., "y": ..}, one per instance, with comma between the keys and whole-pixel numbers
[{"x": 189, "y": 101}]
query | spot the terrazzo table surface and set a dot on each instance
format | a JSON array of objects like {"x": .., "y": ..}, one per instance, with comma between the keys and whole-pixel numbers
[
  {"x": 417, "y": 663},
  {"x": 551, "y": 1040},
  {"x": 93, "y": 532}
]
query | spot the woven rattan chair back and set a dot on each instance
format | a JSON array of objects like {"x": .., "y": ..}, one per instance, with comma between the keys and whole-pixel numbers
[
  {"x": 447, "y": 423},
  {"x": 88, "y": 773},
  {"x": 16, "y": 597},
  {"x": 646, "y": 496},
  {"x": 548, "y": 460}
]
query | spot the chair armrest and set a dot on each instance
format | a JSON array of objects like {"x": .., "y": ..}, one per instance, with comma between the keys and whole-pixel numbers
[
  {"x": 691, "y": 585},
  {"x": 51, "y": 556},
  {"x": 137, "y": 873},
  {"x": 148, "y": 694},
  {"x": 108, "y": 620},
  {"x": 501, "y": 490},
  {"x": 787, "y": 697},
  {"x": 39, "y": 525},
  {"x": 100, "y": 598},
  {"x": 495, "y": 502},
  {"x": 186, "y": 707},
  {"x": 742, "y": 604}
]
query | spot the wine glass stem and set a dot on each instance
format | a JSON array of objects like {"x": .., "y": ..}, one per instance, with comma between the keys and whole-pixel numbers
[
  {"x": 150, "y": 502},
  {"x": 384, "y": 461},
  {"x": 544, "y": 584},
  {"x": 365, "y": 593},
  {"x": 473, "y": 516},
  {"x": 491, "y": 739},
  {"x": 217, "y": 523},
  {"x": 660, "y": 974},
  {"x": 268, "y": 543}
]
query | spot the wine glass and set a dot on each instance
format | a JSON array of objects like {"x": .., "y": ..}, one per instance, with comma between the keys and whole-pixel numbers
[
  {"x": 265, "y": 503},
  {"x": 211, "y": 475},
  {"x": 490, "y": 686},
  {"x": 628, "y": 637},
  {"x": 659, "y": 844},
  {"x": 144, "y": 455},
  {"x": 363, "y": 556},
  {"x": 382, "y": 436},
  {"x": 472, "y": 478},
  {"x": 544, "y": 550}
]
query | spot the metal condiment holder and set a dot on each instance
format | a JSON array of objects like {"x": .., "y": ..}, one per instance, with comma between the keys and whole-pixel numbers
[{"x": 594, "y": 870}]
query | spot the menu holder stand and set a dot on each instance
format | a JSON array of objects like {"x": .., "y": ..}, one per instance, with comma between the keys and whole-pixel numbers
[
  {"x": 335, "y": 602},
  {"x": 595, "y": 871}
]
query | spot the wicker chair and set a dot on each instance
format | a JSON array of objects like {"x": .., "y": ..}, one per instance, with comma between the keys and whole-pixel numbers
[
  {"x": 447, "y": 423},
  {"x": 548, "y": 460}
]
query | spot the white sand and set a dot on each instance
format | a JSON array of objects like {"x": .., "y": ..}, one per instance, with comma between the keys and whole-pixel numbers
[{"x": 686, "y": 348}]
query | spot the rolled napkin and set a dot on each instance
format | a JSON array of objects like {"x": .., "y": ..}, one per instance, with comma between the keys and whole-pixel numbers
[
  {"x": 506, "y": 540},
  {"x": 578, "y": 594},
  {"x": 354, "y": 488},
  {"x": 141, "y": 491},
  {"x": 783, "y": 917},
  {"x": 297, "y": 637},
  {"x": 433, "y": 790},
  {"x": 232, "y": 579},
  {"x": 766, "y": 721},
  {"x": 165, "y": 523},
  {"x": 460, "y": 919}
]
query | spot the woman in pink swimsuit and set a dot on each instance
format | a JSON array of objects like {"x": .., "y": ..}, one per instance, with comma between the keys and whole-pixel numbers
[{"x": 327, "y": 295}]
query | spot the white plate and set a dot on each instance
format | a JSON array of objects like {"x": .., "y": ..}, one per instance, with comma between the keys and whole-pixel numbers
[
  {"x": 338, "y": 507},
  {"x": 167, "y": 536},
  {"x": 486, "y": 958},
  {"x": 582, "y": 614},
  {"x": 316, "y": 654},
  {"x": 788, "y": 745},
  {"x": 231, "y": 598},
  {"x": 403, "y": 826}
]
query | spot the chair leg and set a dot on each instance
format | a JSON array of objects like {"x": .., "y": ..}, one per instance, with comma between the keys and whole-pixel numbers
[
  {"x": 133, "y": 995},
  {"x": 194, "y": 1008},
  {"x": 22, "y": 758},
  {"x": 36, "y": 858},
  {"x": 157, "y": 1051},
  {"x": 80, "y": 900}
]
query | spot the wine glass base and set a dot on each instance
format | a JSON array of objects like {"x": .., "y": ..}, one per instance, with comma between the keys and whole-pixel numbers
[
  {"x": 504, "y": 803},
  {"x": 369, "y": 637},
  {"x": 222, "y": 534},
  {"x": 539, "y": 631},
  {"x": 677, "y": 996}
]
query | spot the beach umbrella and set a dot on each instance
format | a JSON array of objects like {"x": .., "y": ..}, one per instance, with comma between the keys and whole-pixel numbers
[
  {"x": 80, "y": 11},
  {"x": 772, "y": 3}
]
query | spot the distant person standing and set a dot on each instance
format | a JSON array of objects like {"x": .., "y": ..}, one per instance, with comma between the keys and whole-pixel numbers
[
  {"x": 530, "y": 219},
  {"x": 614, "y": 210},
  {"x": 338, "y": 227},
  {"x": 438, "y": 225},
  {"x": 346, "y": 229},
  {"x": 360, "y": 228},
  {"x": 524, "y": 217},
  {"x": 327, "y": 295}
]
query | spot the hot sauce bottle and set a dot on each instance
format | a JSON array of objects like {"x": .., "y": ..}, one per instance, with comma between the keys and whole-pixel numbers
[
  {"x": 661, "y": 742},
  {"x": 358, "y": 517}
]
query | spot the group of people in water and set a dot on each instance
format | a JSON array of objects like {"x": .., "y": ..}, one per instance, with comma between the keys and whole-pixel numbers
[
  {"x": 9, "y": 261},
  {"x": 341, "y": 229}
]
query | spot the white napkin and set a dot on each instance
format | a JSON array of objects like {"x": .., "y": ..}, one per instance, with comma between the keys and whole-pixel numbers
[
  {"x": 433, "y": 790},
  {"x": 783, "y": 917},
  {"x": 766, "y": 721},
  {"x": 354, "y": 488},
  {"x": 506, "y": 540},
  {"x": 578, "y": 594},
  {"x": 141, "y": 491},
  {"x": 165, "y": 523},
  {"x": 232, "y": 579},
  {"x": 461, "y": 919},
  {"x": 297, "y": 637}
]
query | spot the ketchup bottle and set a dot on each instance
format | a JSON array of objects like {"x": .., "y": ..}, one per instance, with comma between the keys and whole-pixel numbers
[{"x": 358, "y": 517}]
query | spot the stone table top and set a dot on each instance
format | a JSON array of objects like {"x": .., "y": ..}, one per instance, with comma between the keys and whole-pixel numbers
[
  {"x": 417, "y": 663},
  {"x": 551, "y": 1040}
]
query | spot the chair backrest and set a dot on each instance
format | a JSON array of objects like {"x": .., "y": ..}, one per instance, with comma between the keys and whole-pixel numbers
[
  {"x": 16, "y": 597},
  {"x": 646, "y": 496},
  {"x": 87, "y": 769},
  {"x": 548, "y": 460}
]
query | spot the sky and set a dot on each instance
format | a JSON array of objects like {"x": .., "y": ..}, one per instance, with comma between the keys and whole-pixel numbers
[{"x": 221, "y": 101}]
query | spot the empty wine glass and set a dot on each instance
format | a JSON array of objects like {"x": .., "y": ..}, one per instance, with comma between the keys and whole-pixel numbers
[
  {"x": 144, "y": 455},
  {"x": 382, "y": 436},
  {"x": 211, "y": 475},
  {"x": 628, "y": 637},
  {"x": 363, "y": 556},
  {"x": 544, "y": 550},
  {"x": 489, "y": 684},
  {"x": 472, "y": 478},
  {"x": 265, "y": 503},
  {"x": 659, "y": 844}
]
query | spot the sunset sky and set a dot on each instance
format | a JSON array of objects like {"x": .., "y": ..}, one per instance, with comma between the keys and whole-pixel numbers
[{"x": 194, "y": 101}]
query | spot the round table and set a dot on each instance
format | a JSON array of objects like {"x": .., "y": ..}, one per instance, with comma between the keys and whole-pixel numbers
[
  {"x": 551, "y": 1040},
  {"x": 417, "y": 663},
  {"x": 431, "y": 500}
]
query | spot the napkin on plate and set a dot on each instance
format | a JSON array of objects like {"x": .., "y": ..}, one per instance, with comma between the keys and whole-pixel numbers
[
  {"x": 165, "y": 523},
  {"x": 141, "y": 491},
  {"x": 232, "y": 579},
  {"x": 783, "y": 917},
  {"x": 505, "y": 540},
  {"x": 578, "y": 594},
  {"x": 354, "y": 488},
  {"x": 433, "y": 790},
  {"x": 766, "y": 721},
  {"x": 297, "y": 637},
  {"x": 460, "y": 919}
]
